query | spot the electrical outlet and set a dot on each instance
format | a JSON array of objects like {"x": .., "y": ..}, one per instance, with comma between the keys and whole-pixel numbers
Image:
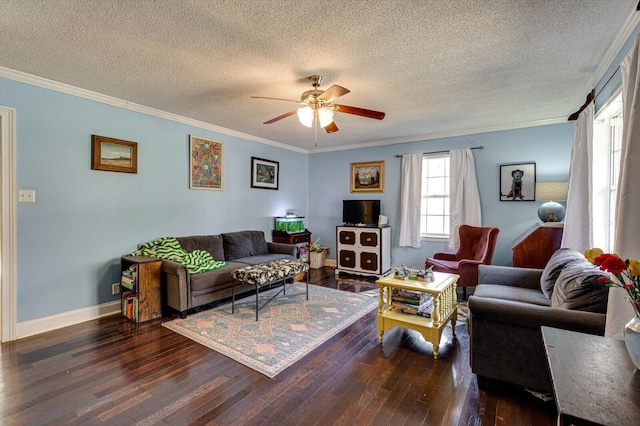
[
  {"x": 115, "y": 288},
  {"x": 26, "y": 196}
]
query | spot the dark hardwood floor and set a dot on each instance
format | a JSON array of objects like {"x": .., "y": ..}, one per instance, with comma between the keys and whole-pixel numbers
[{"x": 110, "y": 371}]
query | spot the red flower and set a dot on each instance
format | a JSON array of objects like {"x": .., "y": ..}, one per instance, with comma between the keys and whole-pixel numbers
[
  {"x": 611, "y": 263},
  {"x": 603, "y": 280},
  {"x": 629, "y": 286}
]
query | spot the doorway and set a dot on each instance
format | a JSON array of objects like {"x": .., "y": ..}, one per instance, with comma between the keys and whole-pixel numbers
[{"x": 8, "y": 237}]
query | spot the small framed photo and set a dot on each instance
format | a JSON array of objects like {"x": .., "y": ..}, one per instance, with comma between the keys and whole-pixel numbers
[
  {"x": 113, "y": 155},
  {"x": 518, "y": 182},
  {"x": 205, "y": 163},
  {"x": 264, "y": 173},
  {"x": 367, "y": 177}
]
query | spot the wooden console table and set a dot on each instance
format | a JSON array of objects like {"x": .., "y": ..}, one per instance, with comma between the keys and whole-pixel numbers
[
  {"x": 594, "y": 380},
  {"x": 286, "y": 238},
  {"x": 534, "y": 247}
]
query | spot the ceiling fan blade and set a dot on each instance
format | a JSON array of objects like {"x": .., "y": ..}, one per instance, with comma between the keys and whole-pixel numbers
[
  {"x": 378, "y": 115},
  {"x": 280, "y": 117},
  {"x": 333, "y": 92},
  {"x": 276, "y": 99},
  {"x": 331, "y": 127}
]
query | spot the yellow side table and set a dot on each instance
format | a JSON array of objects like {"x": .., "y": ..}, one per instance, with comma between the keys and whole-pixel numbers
[{"x": 443, "y": 291}]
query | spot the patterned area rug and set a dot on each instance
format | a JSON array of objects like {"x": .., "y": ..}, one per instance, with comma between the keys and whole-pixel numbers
[{"x": 289, "y": 327}]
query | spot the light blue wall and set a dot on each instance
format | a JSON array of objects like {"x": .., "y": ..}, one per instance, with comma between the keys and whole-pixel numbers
[
  {"x": 70, "y": 241},
  {"x": 548, "y": 146}
]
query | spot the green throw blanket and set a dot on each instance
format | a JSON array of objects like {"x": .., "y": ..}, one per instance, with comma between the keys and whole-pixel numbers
[{"x": 170, "y": 249}]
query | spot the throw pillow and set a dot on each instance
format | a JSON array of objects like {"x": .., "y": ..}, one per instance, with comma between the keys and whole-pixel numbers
[
  {"x": 577, "y": 287},
  {"x": 210, "y": 243},
  {"x": 244, "y": 244},
  {"x": 551, "y": 272}
]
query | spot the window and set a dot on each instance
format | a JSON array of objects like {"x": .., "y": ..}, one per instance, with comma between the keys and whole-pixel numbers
[
  {"x": 607, "y": 142},
  {"x": 434, "y": 207},
  {"x": 615, "y": 145}
]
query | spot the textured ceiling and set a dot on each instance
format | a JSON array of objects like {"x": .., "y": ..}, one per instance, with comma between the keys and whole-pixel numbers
[{"x": 435, "y": 67}]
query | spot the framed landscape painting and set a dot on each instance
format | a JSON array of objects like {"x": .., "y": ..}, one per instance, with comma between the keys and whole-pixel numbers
[
  {"x": 113, "y": 155},
  {"x": 518, "y": 182},
  {"x": 205, "y": 163},
  {"x": 264, "y": 173},
  {"x": 367, "y": 177}
]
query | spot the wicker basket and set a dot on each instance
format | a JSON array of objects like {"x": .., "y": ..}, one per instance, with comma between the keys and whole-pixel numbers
[{"x": 316, "y": 259}]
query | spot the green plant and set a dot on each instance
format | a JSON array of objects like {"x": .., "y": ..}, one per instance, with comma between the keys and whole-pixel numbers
[{"x": 316, "y": 247}]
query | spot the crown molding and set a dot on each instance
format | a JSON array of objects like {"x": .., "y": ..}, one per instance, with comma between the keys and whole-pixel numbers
[
  {"x": 467, "y": 132},
  {"x": 121, "y": 103},
  {"x": 610, "y": 55}
]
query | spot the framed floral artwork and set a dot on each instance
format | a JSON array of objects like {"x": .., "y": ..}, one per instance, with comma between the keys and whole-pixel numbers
[
  {"x": 205, "y": 163},
  {"x": 367, "y": 177},
  {"x": 113, "y": 155},
  {"x": 264, "y": 173}
]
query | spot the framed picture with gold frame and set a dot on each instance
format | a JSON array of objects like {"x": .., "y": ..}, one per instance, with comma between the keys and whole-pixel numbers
[
  {"x": 113, "y": 155},
  {"x": 367, "y": 176},
  {"x": 205, "y": 163}
]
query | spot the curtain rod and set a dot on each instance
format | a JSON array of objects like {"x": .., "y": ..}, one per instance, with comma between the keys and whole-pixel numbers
[
  {"x": 442, "y": 152},
  {"x": 592, "y": 96}
]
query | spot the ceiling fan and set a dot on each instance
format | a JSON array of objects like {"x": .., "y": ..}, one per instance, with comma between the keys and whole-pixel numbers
[{"x": 318, "y": 107}]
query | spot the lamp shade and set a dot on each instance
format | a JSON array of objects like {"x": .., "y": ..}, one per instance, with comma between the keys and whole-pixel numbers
[
  {"x": 306, "y": 116},
  {"x": 551, "y": 211},
  {"x": 325, "y": 116},
  {"x": 556, "y": 191}
]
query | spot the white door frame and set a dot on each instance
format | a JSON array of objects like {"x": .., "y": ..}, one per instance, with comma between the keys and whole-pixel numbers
[{"x": 8, "y": 231}]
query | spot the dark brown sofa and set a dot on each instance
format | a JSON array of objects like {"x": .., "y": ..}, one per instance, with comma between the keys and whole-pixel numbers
[
  {"x": 185, "y": 291},
  {"x": 510, "y": 305}
]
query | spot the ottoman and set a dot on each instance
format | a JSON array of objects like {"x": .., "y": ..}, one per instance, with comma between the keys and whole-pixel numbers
[{"x": 266, "y": 274}]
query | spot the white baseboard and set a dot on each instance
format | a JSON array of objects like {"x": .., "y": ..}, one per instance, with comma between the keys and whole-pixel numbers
[{"x": 65, "y": 319}]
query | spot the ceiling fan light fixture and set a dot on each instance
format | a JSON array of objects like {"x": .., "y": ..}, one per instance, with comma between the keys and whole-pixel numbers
[
  {"x": 325, "y": 116},
  {"x": 306, "y": 115}
]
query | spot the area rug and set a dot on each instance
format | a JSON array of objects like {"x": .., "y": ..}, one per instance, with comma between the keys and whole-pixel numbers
[{"x": 289, "y": 327}]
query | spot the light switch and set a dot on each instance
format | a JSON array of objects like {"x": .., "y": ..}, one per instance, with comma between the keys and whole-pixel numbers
[{"x": 27, "y": 196}]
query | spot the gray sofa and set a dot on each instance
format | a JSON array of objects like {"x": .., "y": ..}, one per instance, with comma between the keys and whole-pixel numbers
[
  {"x": 510, "y": 305},
  {"x": 186, "y": 291}
]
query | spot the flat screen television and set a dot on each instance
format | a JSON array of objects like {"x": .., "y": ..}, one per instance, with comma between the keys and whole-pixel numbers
[{"x": 361, "y": 212}]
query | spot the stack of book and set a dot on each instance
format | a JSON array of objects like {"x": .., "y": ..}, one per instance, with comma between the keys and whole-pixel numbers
[
  {"x": 130, "y": 305},
  {"x": 130, "y": 277},
  {"x": 412, "y": 302},
  {"x": 129, "y": 281}
]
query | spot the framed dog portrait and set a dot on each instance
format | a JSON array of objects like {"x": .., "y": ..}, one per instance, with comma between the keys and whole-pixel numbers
[{"x": 518, "y": 182}]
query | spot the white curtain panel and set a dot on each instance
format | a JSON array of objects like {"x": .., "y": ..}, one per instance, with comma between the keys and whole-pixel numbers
[
  {"x": 627, "y": 233},
  {"x": 410, "y": 195},
  {"x": 577, "y": 233},
  {"x": 464, "y": 195}
]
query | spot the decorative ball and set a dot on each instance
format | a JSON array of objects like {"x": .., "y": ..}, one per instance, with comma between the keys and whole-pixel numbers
[{"x": 551, "y": 212}]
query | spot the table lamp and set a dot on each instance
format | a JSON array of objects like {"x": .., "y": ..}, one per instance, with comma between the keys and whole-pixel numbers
[{"x": 551, "y": 211}]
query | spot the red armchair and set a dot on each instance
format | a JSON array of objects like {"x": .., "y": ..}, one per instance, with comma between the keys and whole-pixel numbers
[{"x": 476, "y": 248}]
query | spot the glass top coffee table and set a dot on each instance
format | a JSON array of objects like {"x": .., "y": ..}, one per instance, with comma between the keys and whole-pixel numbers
[{"x": 441, "y": 291}]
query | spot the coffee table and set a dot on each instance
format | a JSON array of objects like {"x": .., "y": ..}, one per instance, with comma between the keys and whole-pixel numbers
[
  {"x": 265, "y": 274},
  {"x": 594, "y": 380},
  {"x": 443, "y": 291}
]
